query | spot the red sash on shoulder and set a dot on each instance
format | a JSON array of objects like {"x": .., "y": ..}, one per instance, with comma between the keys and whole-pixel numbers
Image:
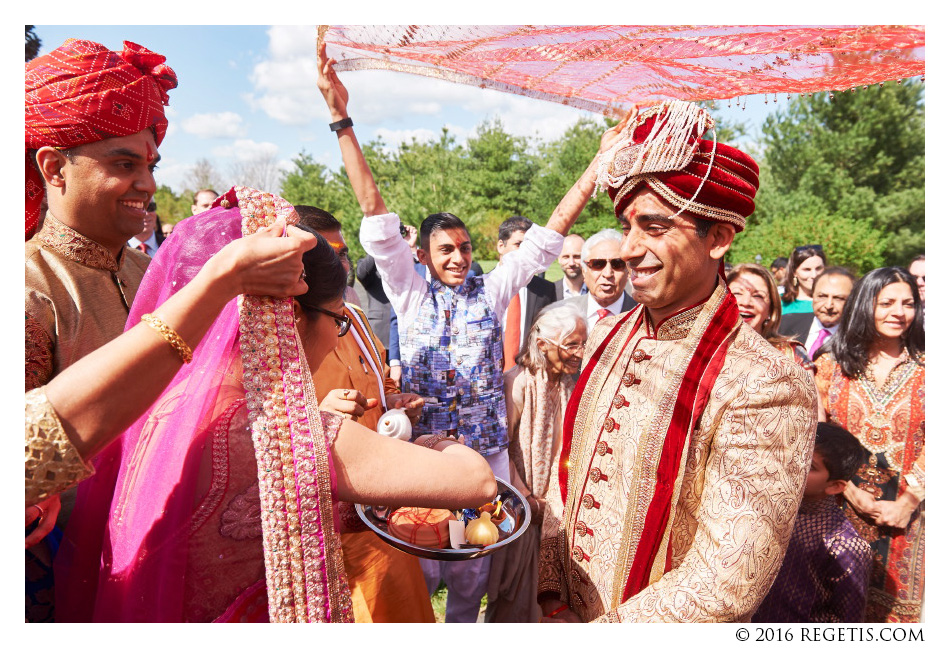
[
  {"x": 700, "y": 375},
  {"x": 570, "y": 413}
]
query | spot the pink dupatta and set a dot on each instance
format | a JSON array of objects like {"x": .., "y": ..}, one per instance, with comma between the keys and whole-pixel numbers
[{"x": 124, "y": 558}]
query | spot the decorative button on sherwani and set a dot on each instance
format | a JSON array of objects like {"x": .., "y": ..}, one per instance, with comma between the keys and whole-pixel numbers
[
  {"x": 620, "y": 401},
  {"x": 610, "y": 425},
  {"x": 583, "y": 529},
  {"x": 640, "y": 355},
  {"x": 596, "y": 475},
  {"x": 628, "y": 380},
  {"x": 602, "y": 448},
  {"x": 589, "y": 502},
  {"x": 579, "y": 555}
]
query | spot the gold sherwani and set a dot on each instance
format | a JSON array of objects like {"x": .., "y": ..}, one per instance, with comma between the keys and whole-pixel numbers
[
  {"x": 739, "y": 481},
  {"x": 77, "y": 297}
]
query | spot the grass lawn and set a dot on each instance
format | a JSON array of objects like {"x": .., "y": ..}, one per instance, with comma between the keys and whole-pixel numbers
[{"x": 438, "y": 599}]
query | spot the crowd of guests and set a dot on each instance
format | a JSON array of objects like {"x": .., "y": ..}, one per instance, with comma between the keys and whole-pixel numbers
[{"x": 217, "y": 485}]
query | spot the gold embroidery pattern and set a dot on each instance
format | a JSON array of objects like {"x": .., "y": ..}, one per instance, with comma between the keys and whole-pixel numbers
[
  {"x": 740, "y": 483},
  {"x": 52, "y": 462},
  {"x": 219, "y": 467},
  {"x": 300, "y": 542},
  {"x": 39, "y": 354},
  {"x": 66, "y": 241}
]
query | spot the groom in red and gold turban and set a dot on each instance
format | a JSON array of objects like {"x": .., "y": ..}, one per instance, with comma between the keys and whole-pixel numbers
[
  {"x": 94, "y": 120},
  {"x": 688, "y": 436}
]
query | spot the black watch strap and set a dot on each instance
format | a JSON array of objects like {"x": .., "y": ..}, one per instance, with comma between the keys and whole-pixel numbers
[{"x": 340, "y": 125}]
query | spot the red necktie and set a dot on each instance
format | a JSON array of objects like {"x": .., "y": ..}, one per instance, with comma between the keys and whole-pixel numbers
[
  {"x": 512, "y": 342},
  {"x": 823, "y": 335},
  {"x": 602, "y": 313},
  {"x": 143, "y": 247}
]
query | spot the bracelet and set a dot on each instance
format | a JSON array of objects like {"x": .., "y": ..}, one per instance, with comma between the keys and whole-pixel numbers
[
  {"x": 163, "y": 329},
  {"x": 556, "y": 612},
  {"x": 435, "y": 440},
  {"x": 346, "y": 122}
]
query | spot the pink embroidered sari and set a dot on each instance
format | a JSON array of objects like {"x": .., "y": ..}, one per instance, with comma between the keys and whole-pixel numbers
[{"x": 217, "y": 503}]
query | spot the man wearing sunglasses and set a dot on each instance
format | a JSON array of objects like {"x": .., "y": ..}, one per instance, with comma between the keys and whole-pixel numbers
[
  {"x": 450, "y": 328},
  {"x": 605, "y": 275},
  {"x": 688, "y": 437}
]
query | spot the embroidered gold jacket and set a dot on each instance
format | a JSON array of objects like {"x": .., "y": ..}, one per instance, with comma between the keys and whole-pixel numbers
[
  {"x": 738, "y": 489},
  {"x": 77, "y": 297}
]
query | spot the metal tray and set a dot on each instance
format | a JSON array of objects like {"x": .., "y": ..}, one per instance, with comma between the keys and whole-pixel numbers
[{"x": 513, "y": 503}]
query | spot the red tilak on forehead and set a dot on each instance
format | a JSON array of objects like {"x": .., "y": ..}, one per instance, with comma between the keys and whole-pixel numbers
[{"x": 458, "y": 237}]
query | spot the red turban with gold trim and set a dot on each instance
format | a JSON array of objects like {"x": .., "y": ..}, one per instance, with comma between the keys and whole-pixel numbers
[
  {"x": 83, "y": 92},
  {"x": 662, "y": 148}
]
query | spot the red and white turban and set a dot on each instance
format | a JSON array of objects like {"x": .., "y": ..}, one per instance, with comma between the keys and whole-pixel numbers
[
  {"x": 662, "y": 148},
  {"x": 83, "y": 92}
]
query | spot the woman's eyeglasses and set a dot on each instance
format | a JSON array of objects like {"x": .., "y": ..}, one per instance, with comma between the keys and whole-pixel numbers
[
  {"x": 599, "y": 264},
  {"x": 574, "y": 347},
  {"x": 342, "y": 321}
]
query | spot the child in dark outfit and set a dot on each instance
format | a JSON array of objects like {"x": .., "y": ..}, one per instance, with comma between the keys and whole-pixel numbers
[{"x": 824, "y": 577}]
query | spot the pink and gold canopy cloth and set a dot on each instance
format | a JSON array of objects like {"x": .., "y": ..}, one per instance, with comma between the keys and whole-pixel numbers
[{"x": 609, "y": 68}]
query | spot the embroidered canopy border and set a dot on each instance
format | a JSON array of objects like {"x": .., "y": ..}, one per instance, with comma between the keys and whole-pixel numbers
[{"x": 609, "y": 68}]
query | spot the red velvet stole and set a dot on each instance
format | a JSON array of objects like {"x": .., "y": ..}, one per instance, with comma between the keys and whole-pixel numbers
[
  {"x": 701, "y": 373},
  {"x": 693, "y": 395}
]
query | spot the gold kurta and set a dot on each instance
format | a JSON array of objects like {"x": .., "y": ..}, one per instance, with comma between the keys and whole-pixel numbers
[
  {"x": 52, "y": 462},
  {"x": 77, "y": 297},
  {"x": 739, "y": 487}
]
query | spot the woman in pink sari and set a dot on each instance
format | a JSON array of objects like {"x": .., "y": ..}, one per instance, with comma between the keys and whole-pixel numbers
[{"x": 217, "y": 504}]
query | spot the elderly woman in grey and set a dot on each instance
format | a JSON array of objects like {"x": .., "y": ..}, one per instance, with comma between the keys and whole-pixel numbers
[{"x": 536, "y": 392}]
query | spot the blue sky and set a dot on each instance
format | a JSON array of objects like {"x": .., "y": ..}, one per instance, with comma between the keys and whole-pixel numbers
[{"x": 250, "y": 91}]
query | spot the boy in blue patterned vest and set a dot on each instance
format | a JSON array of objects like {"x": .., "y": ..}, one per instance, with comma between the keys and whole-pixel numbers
[{"x": 450, "y": 326}]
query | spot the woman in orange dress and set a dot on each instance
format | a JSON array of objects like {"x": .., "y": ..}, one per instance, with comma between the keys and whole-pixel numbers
[{"x": 872, "y": 383}]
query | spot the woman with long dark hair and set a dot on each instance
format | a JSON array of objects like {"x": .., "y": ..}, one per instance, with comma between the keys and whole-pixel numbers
[
  {"x": 872, "y": 383},
  {"x": 804, "y": 265}
]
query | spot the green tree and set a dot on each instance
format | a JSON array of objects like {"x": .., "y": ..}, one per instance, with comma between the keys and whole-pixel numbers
[
  {"x": 172, "y": 207},
  {"x": 846, "y": 241},
  {"x": 561, "y": 163},
  {"x": 859, "y": 156},
  {"x": 33, "y": 43},
  {"x": 310, "y": 183}
]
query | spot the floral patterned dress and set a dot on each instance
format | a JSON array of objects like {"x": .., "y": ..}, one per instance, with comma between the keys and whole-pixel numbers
[{"x": 889, "y": 421}]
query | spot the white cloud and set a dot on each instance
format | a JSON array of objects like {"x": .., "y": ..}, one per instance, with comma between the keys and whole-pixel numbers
[
  {"x": 214, "y": 125},
  {"x": 244, "y": 150},
  {"x": 285, "y": 89}
]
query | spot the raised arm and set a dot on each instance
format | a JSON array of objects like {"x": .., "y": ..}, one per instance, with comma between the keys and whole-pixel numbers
[
  {"x": 574, "y": 201},
  {"x": 361, "y": 178}
]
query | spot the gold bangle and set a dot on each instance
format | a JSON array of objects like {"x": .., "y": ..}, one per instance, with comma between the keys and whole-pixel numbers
[{"x": 172, "y": 337}]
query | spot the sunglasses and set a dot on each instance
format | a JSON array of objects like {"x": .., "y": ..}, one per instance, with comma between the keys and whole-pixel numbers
[
  {"x": 599, "y": 264},
  {"x": 342, "y": 321},
  {"x": 808, "y": 248}
]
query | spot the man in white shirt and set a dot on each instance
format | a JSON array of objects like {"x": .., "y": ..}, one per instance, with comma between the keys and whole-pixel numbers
[
  {"x": 605, "y": 275},
  {"x": 572, "y": 285},
  {"x": 831, "y": 291},
  {"x": 450, "y": 327}
]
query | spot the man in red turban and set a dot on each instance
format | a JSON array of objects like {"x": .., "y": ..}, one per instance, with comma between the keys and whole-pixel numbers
[
  {"x": 688, "y": 436},
  {"x": 94, "y": 120}
]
